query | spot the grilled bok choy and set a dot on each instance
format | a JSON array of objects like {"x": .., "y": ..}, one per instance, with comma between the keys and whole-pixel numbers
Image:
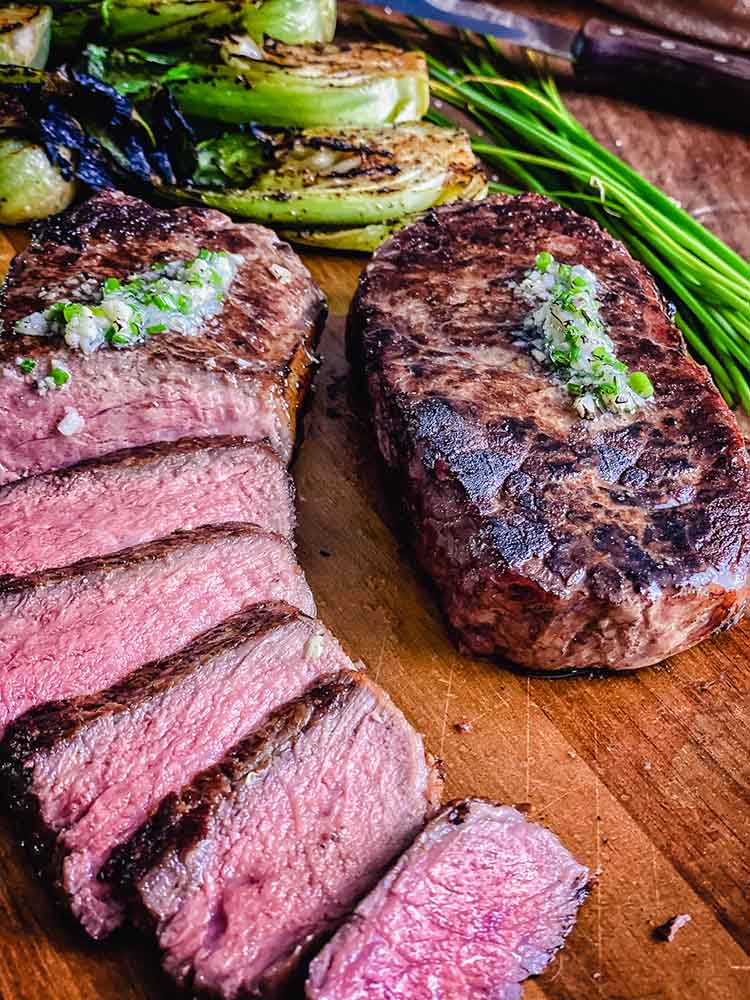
[
  {"x": 298, "y": 86},
  {"x": 354, "y": 239},
  {"x": 31, "y": 186},
  {"x": 25, "y": 35},
  {"x": 162, "y": 22},
  {"x": 60, "y": 125},
  {"x": 333, "y": 178}
]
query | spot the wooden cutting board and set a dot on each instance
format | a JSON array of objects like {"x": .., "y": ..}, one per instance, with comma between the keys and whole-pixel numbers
[
  {"x": 646, "y": 778},
  {"x": 719, "y": 22}
]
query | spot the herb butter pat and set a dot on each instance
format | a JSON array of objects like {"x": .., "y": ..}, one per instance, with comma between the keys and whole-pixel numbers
[
  {"x": 177, "y": 296},
  {"x": 565, "y": 332}
]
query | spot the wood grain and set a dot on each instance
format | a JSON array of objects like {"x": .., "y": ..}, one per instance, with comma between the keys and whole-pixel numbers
[{"x": 646, "y": 777}]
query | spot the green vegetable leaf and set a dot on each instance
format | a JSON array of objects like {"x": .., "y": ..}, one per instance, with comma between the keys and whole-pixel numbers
[
  {"x": 543, "y": 261},
  {"x": 71, "y": 310}
]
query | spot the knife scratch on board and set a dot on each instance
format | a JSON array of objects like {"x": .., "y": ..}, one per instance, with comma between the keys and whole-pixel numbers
[{"x": 445, "y": 713}]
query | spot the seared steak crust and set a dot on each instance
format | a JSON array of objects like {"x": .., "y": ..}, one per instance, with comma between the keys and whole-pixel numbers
[
  {"x": 42, "y": 728},
  {"x": 76, "y": 784},
  {"x": 128, "y": 497},
  {"x": 247, "y": 869},
  {"x": 181, "y": 820},
  {"x": 555, "y": 542},
  {"x": 245, "y": 372}
]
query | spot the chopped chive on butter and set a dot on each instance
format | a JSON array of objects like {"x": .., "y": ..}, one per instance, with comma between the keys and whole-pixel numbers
[
  {"x": 27, "y": 365},
  {"x": 176, "y": 296},
  {"x": 565, "y": 332},
  {"x": 640, "y": 382},
  {"x": 543, "y": 261}
]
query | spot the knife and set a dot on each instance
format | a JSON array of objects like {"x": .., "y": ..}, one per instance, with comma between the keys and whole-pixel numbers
[{"x": 644, "y": 64}]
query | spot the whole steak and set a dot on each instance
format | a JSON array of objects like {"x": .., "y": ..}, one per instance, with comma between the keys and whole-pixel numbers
[{"x": 554, "y": 541}]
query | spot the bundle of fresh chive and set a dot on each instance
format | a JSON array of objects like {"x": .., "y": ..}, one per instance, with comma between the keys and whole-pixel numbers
[{"x": 530, "y": 137}]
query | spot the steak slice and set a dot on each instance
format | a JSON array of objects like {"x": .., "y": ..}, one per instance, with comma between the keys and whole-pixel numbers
[
  {"x": 480, "y": 901},
  {"x": 107, "y": 504},
  {"x": 259, "y": 858},
  {"x": 78, "y": 630},
  {"x": 81, "y": 776},
  {"x": 553, "y": 541},
  {"x": 243, "y": 373}
]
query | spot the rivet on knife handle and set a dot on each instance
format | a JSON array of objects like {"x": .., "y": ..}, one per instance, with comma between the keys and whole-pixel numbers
[{"x": 695, "y": 78}]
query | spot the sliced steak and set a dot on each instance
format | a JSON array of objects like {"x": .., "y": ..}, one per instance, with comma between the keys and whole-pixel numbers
[
  {"x": 260, "y": 857},
  {"x": 111, "y": 503},
  {"x": 81, "y": 776},
  {"x": 480, "y": 901},
  {"x": 555, "y": 542},
  {"x": 243, "y": 373},
  {"x": 77, "y": 630}
]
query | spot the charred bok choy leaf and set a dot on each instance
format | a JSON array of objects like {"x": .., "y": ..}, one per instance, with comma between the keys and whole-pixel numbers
[
  {"x": 161, "y": 22},
  {"x": 343, "y": 181},
  {"x": 297, "y": 86},
  {"x": 58, "y": 126},
  {"x": 25, "y": 36}
]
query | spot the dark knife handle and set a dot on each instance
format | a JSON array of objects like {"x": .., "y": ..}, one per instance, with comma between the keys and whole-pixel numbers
[{"x": 659, "y": 69}]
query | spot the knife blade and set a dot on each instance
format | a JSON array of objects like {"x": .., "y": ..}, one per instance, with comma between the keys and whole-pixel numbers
[
  {"x": 486, "y": 19},
  {"x": 651, "y": 67}
]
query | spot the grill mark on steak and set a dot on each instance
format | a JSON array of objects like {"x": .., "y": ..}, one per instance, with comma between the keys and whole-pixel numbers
[
  {"x": 245, "y": 372},
  {"x": 555, "y": 542}
]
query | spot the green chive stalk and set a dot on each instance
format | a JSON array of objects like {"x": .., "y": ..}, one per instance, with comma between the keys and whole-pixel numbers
[{"x": 535, "y": 144}]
